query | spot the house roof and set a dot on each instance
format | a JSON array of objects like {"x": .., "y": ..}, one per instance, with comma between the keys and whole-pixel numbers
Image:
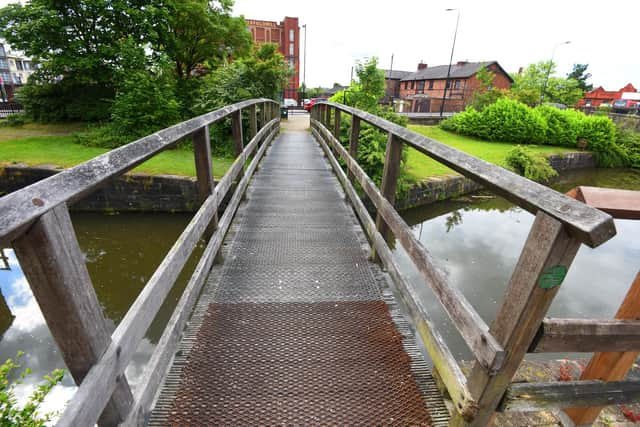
[
  {"x": 396, "y": 74},
  {"x": 462, "y": 71}
]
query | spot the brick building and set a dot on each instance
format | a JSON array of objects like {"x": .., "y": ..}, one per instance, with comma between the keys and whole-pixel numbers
[
  {"x": 424, "y": 88},
  {"x": 286, "y": 35},
  {"x": 600, "y": 96}
]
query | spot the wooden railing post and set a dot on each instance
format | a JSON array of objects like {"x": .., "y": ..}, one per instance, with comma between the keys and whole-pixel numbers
[
  {"x": 353, "y": 142},
  {"x": 263, "y": 114},
  {"x": 253, "y": 122},
  {"x": 204, "y": 168},
  {"x": 390, "y": 175},
  {"x": 336, "y": 123},
  {"x": 236, "y": 130},
  {"x": 544, "y": 261},
  {"x": 327, "y": 117},
  {"x": 54, "y": 266}
]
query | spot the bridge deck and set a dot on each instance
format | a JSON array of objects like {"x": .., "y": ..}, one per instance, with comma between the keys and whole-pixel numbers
[{"x": 296, "y": 326}]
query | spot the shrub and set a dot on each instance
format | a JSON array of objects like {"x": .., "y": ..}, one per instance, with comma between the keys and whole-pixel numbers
[
  {"x": 530, "y": 165},
  {"x": 511, "y": 121},
  {"x": 17, "y": 119},
  {"x": 629, "y": 142},
  {"x": 562, "y": 125},
  {"x": 600, "y": 134}
]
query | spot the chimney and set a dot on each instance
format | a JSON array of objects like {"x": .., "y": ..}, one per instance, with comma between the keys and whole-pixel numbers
[
  {"x": 421, "y": 66},
  {"x": 520, "y": 70},
  {"x": 461, "y": 63}
]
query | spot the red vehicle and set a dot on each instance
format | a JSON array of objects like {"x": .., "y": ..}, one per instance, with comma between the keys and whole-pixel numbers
[
  {"x": 624, "y": 106},
  {"x": 311, "y": 103}
]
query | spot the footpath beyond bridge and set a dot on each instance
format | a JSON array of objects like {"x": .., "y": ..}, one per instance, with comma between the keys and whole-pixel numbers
[{"x": 295, "y": 323}]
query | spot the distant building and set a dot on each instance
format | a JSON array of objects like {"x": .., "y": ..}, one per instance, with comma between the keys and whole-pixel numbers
[
  {"x": 599, "y": 96},
  {"x": 286, "y": 35},
  {"x": 6, "y": 82},
  {"x": 423, "y": 89},
  {"x": 20, "y": 68}
]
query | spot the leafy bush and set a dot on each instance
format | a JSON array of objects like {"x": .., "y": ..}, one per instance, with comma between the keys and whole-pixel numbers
[
  {"x": 562, "y": 125},
  {"x": 629, "y": 142},
  {"x": 600, "y": 134},
  {"x": 530, "y": 165},
  {"x": 508, "y": 120},
  {"x": 17, "y": 119},
  {"x": 10, "y": 413}
]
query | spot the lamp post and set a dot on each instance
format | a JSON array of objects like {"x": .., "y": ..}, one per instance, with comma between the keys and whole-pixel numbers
[
  {"x": 304, "y": 66},
  {"x": 546, "y": 79},
  {"x": 453, "y": 46}
]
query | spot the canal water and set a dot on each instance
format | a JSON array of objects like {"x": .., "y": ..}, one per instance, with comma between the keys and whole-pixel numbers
[
  {"x": 475, "y": 239},
  {"x": 122, "y": 252}
]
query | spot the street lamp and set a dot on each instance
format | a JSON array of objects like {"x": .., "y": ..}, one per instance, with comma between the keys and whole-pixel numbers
[
  {"x": 453, "y": 46},
  {"x": 546, "y": 79},
  {"x": 304, "y": 69}
]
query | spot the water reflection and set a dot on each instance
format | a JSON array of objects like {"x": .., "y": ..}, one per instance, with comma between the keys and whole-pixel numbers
[
  {"x": 122, "y": 251},
  {"x": 477, "y": 239}
]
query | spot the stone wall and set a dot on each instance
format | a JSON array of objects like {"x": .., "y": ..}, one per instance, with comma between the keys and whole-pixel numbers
[
  {"x": 442, "y": 188},
  {"x": 128, "y": 193}
]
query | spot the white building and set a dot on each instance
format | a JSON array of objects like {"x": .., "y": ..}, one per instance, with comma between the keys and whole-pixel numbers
[{"x": 20, "y": 68}]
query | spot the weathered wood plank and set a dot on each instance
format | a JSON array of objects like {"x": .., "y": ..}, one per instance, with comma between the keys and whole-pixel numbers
[
  {"x": 467, "y": 321},
  {"x": 204, "y": 168},
  {"x": 590, "y": 225},
  {"x": 586, "y": 335},
  {"x": 20, "y": 208},
  {"x": 623, "y": 204},
  {"x": 526, "y": 397},
  {"x": 354, "y": 136},
  {"x": 157, "y": 367},
  {"x": 236, "y": 131},
  {"x": 444, "y": 362},
  {"x": 548, "y": 253},
  {"x": 263, "y": 114},
  {"x": 390, "y": 175},
  {"x": 100, "y": 381},
  {"x": 610, "y": 366},
  {"x": 253, "y": 122},
  {"x": 336, "y": 123},
  {"x": 53, "y": 264}
]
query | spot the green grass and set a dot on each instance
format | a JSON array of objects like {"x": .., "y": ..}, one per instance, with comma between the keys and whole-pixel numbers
[
  {"x": 60, "y": 150},
  {"x": 420, "y": 166}
]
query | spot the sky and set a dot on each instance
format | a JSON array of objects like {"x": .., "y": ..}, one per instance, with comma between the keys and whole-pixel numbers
[{"x": 603, "y": 34}]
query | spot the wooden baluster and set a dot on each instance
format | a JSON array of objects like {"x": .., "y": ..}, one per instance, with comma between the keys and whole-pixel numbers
[
  {"x": 610, "y": 366},
  {"x": 545, "y": 259},
  {"x": 390, "y": 175},
  {"x": 253, "y": 122},
  {"x": 327, "y": 117},
  {"x": 263, "y": 114},
  {"x": 353, "y": 142},
  {"x": 55, "y": 268},
  {"x": 236, "y": 130},
  {"x": 336, "y": 124},
  {"x": 204, "y": 168}
]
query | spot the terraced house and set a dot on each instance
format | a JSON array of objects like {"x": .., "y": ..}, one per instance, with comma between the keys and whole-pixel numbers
[{"x": 423, "y": 90}]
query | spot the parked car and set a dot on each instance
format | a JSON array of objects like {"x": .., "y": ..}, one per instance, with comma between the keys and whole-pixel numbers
[
  {"x": 290, "y": 102},
  {"x": 625, "y": 106},
  {"x": 311, "y": 103}
]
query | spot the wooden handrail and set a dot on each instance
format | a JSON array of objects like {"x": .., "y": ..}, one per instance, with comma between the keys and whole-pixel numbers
[
  {"x": 23, "y": 207},
  {"x": 589, "y": 225}
]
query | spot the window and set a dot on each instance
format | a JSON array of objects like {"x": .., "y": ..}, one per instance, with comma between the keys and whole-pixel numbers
[
  {"x": 448, "y": 85},
  {"x": 406, "y": 85},
  {"x": 413, "y": 84},
  {"x": 292, "y": 63},
  {"x": 290, "y": 49},
  {"x": 456, "y": 84},
  {"x": 430, "y": 84},
  {"x": 421, "y": 86},
  {"x": 3, "y": 63},
  {"x": 17, "y": 79},
  {"x": 19, "y": 65},
  {"x": 291, "y": 35},
  {"x": 2, "y": 52}
]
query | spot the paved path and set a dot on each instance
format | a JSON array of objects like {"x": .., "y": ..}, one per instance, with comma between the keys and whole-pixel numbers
[{"x": 296, "y": 326}]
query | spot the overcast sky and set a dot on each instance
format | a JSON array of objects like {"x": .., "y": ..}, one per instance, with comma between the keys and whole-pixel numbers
[{"x": 604, "y": 34}]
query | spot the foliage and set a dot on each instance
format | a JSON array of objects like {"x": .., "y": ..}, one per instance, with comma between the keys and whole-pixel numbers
[
  {"x": 486, "y": 93},
  {"x": 600, "y": 134},
  {"x": 10, "y": 412},
  {"x": 202, "y": 32},
  {"x": 562, "y": 125},
  {"x": 527, "y": 86},
  {"x": 368, "y": 89},
  {"x": 629, "y": 141},
  {"x": 18, "y": 119},
  {"x": 579, "y": 74},
  {"x": 530, "y": 165}
]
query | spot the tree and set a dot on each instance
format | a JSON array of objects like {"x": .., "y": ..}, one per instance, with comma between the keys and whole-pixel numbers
[
  {"x": 579, "y": 73},
  {"x": 486, "y": 94},
  {"x": 527, "y": 86}
]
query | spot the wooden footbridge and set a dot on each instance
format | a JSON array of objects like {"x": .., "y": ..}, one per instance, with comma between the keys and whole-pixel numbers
[{"x": 297, "y": 313}]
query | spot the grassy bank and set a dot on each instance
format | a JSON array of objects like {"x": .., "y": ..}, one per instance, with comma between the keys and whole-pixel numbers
[
  {"x": 35, "y": 145},
  {"x": 420, "y": 166}
]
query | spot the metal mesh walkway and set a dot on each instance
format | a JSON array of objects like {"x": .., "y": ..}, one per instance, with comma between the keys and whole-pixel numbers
[{"x": 296, "y": 326}]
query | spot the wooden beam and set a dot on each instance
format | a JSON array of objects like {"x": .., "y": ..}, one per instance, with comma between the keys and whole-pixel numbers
[
  {"x": 610, "y": 366},
  {"x": 253, "y": 122},
  {"x": 236, "y": 130},
  {"x": 623, "y": 204},
  {"x": 54, "y": 266},
  {"x": 263, "y": 114},
  {"x": 204, "y": 168},
  {"x": 466, "y": 320},
  {"x": 88, "y": 401},
  {"x": 430, "y": 340},
  {"x": 528, "y": 397},
  {"x": 336, "y": 123},
  {"x": 586, "y": 335},
  {"x": 157, "y": 367},
  {"x": 354, "y": 136},
  {"x": 543, "y": 263},
  {"x": 22, "y": 207},
  {"x": 590, "y": 225},
  {"x": 390, "y": 175}
]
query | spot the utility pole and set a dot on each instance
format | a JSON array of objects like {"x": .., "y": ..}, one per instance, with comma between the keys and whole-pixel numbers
[
  {"x": 304, "y": 69},
  {"x": 546, "y": 79},
  {"x": 390, "y": 80},
  {"x": 453, "y": 46}
]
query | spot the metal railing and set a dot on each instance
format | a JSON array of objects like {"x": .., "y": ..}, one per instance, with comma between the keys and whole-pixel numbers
[
  {"x": 561, "y": 225},
  {"x": 35, "y": 221}
]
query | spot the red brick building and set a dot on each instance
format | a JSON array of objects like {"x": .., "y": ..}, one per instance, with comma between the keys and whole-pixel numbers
[
  {"x": 286, "y": 35},
  {"x": 600, "y": 96},
  {"x": 424, "y": 88}
]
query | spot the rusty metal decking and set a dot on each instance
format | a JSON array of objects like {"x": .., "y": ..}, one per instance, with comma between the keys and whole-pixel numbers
[{"x": 296, "y": 326}]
